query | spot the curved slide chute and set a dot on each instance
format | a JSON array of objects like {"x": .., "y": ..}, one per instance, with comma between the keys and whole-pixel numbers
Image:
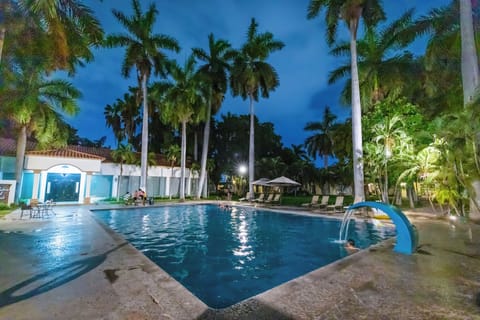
[{"x": 407, "y": 235}]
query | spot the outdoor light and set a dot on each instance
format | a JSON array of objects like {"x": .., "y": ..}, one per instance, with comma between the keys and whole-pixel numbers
[{"x": 242, "y": 169}]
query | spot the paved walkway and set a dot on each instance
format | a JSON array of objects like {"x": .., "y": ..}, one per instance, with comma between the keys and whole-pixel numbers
[{"x": 68, "y": 266}]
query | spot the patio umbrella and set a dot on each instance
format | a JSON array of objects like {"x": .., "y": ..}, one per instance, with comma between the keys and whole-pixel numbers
[
  {"x": 283, "y": 182},
  {"x": 261, "y": 182}
]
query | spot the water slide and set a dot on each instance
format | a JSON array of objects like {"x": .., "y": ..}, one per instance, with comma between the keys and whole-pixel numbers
[{"x": 407, "y": 235}]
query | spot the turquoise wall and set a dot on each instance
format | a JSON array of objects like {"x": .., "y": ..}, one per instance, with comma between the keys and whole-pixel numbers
[
  {"x": 7, "y": 168},
  {"x": 27, "y": 185},
  {"x": 101, "y": 186}
]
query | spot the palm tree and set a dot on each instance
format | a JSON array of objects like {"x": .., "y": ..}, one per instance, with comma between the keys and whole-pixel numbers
[
  {"x": 351, "y": 11},
  {"x": 215, "y": 71},
  {"x": 322, "y": 141},
  {"x": 33, "y": 102},
  {"x": 389, "y": 141},
  {"x": 251, "y": 75},
  {"x": 70, "y": 26},
  {"x": 382, "y": 70},
  {"x": 143, "y": 53},
  {"x": 124, "y": 155},
  {"x": 173, "y": 153},
  {"x": 181, "y": 101}
]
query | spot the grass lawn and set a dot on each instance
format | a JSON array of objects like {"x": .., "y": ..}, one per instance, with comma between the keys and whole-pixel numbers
[{"x": 4, "y": 212}]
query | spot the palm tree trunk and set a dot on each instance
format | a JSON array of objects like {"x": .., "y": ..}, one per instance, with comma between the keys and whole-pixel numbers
[
  {"x": 119, "y": 181},
  {"x": 251, "y": 150},
  {"x": 2, "y": 40},
  {"x": 470, "y": 80},
  {"x": 385, "y": 186},
  {"x": 21, "y": 146},
  {"x": 470, "y": 72},
  {"x": 206, "y": 139},
  {"x": 183, "y": 160},
  {"x": 144, "y": 153},
  {"x": 358, "y": 178}
]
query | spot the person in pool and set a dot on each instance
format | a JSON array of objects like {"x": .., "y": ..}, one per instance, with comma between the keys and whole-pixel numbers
[{"x": 350, "y": 246}]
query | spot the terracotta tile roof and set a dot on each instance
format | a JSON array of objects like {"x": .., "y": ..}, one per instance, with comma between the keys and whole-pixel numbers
[
  {"x": 64, "y": 153},
  {"x": 8, "y": 146}
]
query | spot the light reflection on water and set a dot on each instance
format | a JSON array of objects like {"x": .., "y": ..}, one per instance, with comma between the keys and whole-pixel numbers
[{"x": 226, "y": 255}]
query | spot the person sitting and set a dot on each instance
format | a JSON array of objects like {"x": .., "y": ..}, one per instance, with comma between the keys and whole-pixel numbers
[{"x": 350, "y": 246}]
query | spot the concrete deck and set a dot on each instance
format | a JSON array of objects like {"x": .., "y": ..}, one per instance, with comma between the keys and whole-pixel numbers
[{"x": 69, "y": 267}]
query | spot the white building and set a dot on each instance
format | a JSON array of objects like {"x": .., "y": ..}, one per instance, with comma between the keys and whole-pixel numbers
[{"x": 83, "y": 175}]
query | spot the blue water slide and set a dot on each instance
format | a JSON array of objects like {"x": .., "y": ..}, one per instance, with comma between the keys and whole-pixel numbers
[{"x": 407, "y": 235}]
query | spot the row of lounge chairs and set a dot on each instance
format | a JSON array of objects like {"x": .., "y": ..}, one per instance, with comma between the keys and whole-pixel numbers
[
  {"x": 338, "y": 206},
  {"x": 271, "y": 198}
]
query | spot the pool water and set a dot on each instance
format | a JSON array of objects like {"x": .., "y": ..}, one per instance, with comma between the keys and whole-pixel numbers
[{"x": 224, "y": 256}]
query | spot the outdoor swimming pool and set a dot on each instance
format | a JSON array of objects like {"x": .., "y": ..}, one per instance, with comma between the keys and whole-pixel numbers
[{"x": 224, "y": 256}]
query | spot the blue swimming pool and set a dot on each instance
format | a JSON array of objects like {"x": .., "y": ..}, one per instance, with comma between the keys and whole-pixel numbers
[{"x": 224, "y": 256}]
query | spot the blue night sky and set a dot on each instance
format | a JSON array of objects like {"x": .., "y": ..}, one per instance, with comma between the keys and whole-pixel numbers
[{"x": 303, "y": 64}]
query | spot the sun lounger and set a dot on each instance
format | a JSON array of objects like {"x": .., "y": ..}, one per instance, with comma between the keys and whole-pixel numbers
[
  {"x": 274, "y": 198},
  {"x": 260, "y": 198},
  {"x": 269, "y": 198},
  {"x": 246, "y": 198},
  {"x": 323, "y": 203},
  {"x": 313, "y": 202},
  {"x": 338, "y": 205}
]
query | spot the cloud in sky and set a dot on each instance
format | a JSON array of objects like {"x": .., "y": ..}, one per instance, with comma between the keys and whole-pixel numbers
[{"x": 303, "y": 64}]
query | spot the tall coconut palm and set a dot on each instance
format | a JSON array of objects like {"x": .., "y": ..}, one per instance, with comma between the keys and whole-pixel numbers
[
  {"x": 143, "y": 53},
  {"x": 383, "y": 70},
  {"x": 321, "y": 142},
  {"x": 215, "y": 72},
  {"x": 251, "y": 76},
  {"x": 181, "y": 100},
  {"x": 33, "y": 101},
  {"x": 351, "y": 11}
]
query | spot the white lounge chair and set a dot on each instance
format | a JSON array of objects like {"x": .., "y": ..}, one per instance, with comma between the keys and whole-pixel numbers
[
  {"x": 274, "y": 198},
  {"x": 313, "y": 202},
  {"x": 338, "y": 205},
  {"x": 323, "y": 203}
]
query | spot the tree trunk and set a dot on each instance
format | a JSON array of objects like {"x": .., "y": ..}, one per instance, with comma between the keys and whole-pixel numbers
[
  {"x": 20, "y": 158},
  {"x": 358, "y": 178},
  {"x": 470, "y": 81},
  {"x": 195, "y": 146},
  {"x": 206, "y": 139},
  {"x": 470, "y": 73},
  {"x": 183, "y": 160},
  {"x": 251, "y": 150},
  {"x": 2, "y": 41},
  {"x": 144, "y": 153},
  {"x": 119, "y": 181}
]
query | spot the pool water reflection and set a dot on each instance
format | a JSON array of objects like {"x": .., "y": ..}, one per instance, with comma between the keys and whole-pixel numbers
[{"x": 224, "y": 256}]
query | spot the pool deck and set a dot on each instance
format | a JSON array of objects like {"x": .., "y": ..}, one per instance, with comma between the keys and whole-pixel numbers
[{"x": 68, "y": 266}]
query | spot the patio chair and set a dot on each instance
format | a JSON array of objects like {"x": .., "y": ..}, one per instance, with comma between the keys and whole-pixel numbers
[
  {"x": 260, "y": 198},
  {"x": 274, "y": 199},
  {"x": 313, "y": 202},
  {"x": 25, "y": 207},
  {"x": 338, "y": 205},
  {"x": 268, "y": 199},
  {"x": 246, "y": 198},
  {"x": 323, "y": 203}
]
